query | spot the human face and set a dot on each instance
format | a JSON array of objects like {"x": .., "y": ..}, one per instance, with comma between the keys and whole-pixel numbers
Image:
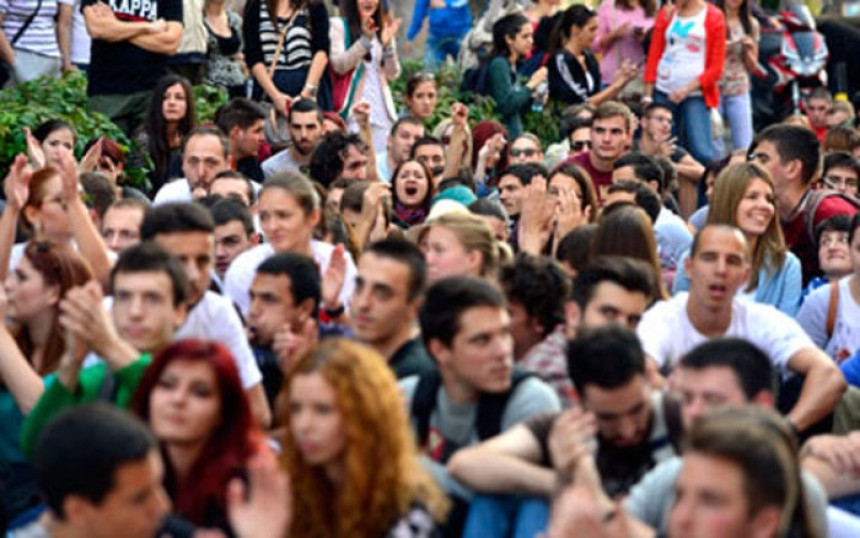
[
  {"x": 27, "y": 294},
  {"x": 624, "y": 173},
  {"x": 610, "y": 303},
  {"x": 174, "y": 103},
  {"x": 316, "y": 421},
  {"x": 305, "y": 131},
  {"x": 816, "y": 111},
  {"x": 121, "y": 227},
  {"x": 719, "y": 268},
  {"x": 609, "y": 138},
  {"x": 766, "y": 155},
  {"x": 833, "y": 254},
  {"x": 511, "y": 194},
  {"x": 400, "y": 143},
  {"x": 202, "y": 160},
  {"x": 423, "y": 100},
  {"x": 524, "y": 150},
  {"x": 272, "y": 307},
  {"x": 231, "y": 187},
  {"x": 623, "y": 414},
  {"x": 521, "y": 44},
  {"x": 711, "y": 501},
  {"x": 354, "y": 164},
  {"x": 134, "y": 507},
  {"x": 194, "y": 250},
  {"x": 366, "y": 8},
  {"x": 185, "y": 404},
  {"x": 246, "y": 143},
  {"x": 231, "y": 239},
  {"x": 411, "y": 184},
  {"x": 756, "y": 209},
  {"x": 380, "y": 307},
  {"x": 447, "y": 256},
  {"x": 563, "y": 182},
  {"x": 841, "y": 179},
  {"x": 284, "y": 222},
  {"x": 658, "y": 124},
  {"x": 58, "y": 143},
  {"x": 481, "y": 354},
  {"x": 110, "y": 169},
  {"x": 143, "y": 310},
  {"x": 431, "y": 156},
  {"x": 580, "y": 140},
  {"x": 585, "y": 35},
  {"x": 703, "y": 390},
  {"x": 50, "y": 217}
]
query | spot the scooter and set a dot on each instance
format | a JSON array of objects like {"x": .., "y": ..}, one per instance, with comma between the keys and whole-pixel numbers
[{"x": 800, "y": 65}]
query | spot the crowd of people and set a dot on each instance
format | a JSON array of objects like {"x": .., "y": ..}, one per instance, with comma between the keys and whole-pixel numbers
[{"x": 323, "y": 316}]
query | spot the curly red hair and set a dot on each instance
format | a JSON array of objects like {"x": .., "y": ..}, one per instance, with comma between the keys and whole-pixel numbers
[
  {"x": 201, "y": 498},
  {"x": 383, "y": 477}
]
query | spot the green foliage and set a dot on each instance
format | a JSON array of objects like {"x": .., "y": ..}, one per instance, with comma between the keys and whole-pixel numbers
[
  {"x": 207, "y": 99},
  {"x": 32, "y": 103},
  {"x": 543, "y": 124}
]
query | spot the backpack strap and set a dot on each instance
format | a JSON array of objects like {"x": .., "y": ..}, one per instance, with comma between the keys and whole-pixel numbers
[
  {"x": 832, "y": 307},
  {"x": 424, "y": 402},
  {"x": 491, "y": 407}
]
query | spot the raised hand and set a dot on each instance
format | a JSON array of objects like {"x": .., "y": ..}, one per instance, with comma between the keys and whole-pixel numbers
[
  {"x": 264, "y": 507},
  {"x": 34, "y": 150},
  {"x": 333, "y": 279},
  {"x": 389, "y": 30},
  {"x": 291, "y": 343},
  {"x": 16, "y": 186}
]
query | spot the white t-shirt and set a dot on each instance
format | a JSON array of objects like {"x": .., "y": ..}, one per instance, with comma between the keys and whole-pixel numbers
[
  {"x": 667, "y": 334},
  {"x": 213, "y": 318},
  {"x": 846, "y": 327},
  {"x": 177, "y": 190},
  {"x": 279, "y": 162},
  {"x": 684, "y": 56},
  {"x": 240, "y": 275}
]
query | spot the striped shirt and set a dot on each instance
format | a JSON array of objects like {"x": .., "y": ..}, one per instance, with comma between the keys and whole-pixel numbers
[
  {"x": 307, "y": 34},
  {"x": 41, "y": 36}
]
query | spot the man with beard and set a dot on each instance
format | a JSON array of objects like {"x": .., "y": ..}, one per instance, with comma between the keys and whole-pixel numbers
[
  {"x": 339, "y": 156},
  {"x": 635, "y": 430},
  {"x": 403, "y": 135},
  {"x": 304, "y": 122}
]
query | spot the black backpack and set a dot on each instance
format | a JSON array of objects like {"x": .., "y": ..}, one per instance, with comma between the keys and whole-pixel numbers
[
  {"x": 491, "y": 408},
  {"x": 475, "y": 79}
]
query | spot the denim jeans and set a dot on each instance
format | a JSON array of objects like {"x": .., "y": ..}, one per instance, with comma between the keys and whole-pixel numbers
[
  {"x": 692, "y": 125},
  {"x": 500, "y": 516},
  {"x": 438, "y": 48},
  {"x": 737, "y": 112}
]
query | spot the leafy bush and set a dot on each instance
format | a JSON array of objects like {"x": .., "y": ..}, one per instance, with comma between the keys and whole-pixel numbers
[{"x": 65, "y": 98}]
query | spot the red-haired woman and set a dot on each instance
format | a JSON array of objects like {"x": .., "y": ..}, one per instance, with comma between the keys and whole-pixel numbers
[{"x": 193, "y": 400}]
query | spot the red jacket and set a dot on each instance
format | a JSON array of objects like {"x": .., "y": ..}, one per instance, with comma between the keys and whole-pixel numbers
[{"x": 715, "y": 50}]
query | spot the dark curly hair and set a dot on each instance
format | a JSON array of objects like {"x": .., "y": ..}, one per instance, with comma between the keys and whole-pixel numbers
[{"x": 539, "y": 285}]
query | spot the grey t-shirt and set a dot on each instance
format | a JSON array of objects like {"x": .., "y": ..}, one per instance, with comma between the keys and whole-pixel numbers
[
  {"x": 652, "y": 498},
  {"x": 456, "y": 422}
]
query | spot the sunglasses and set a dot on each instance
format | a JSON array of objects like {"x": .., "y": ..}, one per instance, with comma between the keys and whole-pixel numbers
[
  {"x": 524, "y": 152},
  {"x": 580, "y": 145}
]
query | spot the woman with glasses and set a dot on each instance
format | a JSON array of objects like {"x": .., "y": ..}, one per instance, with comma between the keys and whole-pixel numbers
[
  {"x": 50, "y": 206},
  {"x": 743, "y": 197},
  {"x": 526, "y": 148}
]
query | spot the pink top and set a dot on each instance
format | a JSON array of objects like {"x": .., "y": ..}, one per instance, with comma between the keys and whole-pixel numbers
[{"x": 626, "y": 48}]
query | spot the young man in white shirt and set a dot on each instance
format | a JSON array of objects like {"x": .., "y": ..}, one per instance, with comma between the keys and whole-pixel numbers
[
  {"x": 718, "y": 267},
  {"x": 205, "y": 153}
]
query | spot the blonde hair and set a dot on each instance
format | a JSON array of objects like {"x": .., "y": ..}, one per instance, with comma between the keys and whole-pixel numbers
[
  {"x": 475, "y": 235},
  {"x": 729, "y": 189}
]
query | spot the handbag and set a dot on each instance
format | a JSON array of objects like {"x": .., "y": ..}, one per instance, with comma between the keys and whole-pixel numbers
[{"x": 7, "y": 70}]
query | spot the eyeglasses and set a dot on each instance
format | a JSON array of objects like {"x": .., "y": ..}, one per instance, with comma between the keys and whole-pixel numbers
[
  {"x": 580, "y": 145},
  {"x": 839, "y": 182},
  {"x": 524, "y": 152}
]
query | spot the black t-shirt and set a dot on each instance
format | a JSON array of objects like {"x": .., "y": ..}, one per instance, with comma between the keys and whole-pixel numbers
[
  {"x": 411, "y": 359},
  {"x": 568, "y": 81},
  {"x": 119, "y": 67},
  {"x": 250, "y": 166}
]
